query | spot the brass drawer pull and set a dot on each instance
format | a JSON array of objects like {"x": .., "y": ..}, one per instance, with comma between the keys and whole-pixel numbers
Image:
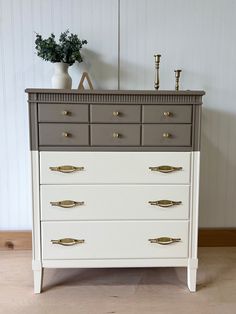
[
  {"x": 164, "y": 240},
  {"x": 165, "y": 169},
  {"x": 67, "y": 204},
  {"x": 65, "y": 113},
  {"x": 65, "y": 134},
  {"x": 67, "y": 241},
  {"x": 66, "y": 169},
  {"x": 166, "y": 135},
  {"x": 116, "y": 135},
  {"x": 165, "y": 203},
  {"x": 116, "y": 113},
  {"x": 167, "y": 113}
]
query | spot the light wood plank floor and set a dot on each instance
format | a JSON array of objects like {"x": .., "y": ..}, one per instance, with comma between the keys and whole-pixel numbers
[{"x": 120, "y": 291}]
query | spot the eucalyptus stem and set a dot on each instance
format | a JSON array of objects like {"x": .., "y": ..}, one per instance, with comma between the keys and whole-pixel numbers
[{"x": 66, "y": 50}]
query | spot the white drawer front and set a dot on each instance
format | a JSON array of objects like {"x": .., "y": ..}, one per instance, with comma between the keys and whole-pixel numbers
[
  {"x": 115, "y": 167},
  {"x": 108, "y": 202},
  {"x": 114, "y": 240}
]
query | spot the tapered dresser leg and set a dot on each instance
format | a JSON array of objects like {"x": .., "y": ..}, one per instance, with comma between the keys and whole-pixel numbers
[
  {"x": 38, "y": 280},
  {"x": 192, "y": 274}
]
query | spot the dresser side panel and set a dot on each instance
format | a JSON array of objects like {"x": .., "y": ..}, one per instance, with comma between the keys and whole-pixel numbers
[
  {"x": 194, "y": 204},
  {"x": 33, "y": 124},
  {"x": 197, "y": 114},
  {"x": 36, "y": 231}
]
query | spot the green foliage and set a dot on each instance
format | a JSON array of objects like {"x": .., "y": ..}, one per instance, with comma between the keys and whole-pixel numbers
[{"x": 67, "y": 50}]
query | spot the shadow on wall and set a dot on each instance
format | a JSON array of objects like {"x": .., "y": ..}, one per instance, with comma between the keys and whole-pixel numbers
[
  {"x": 136, "y": 75},
  {"x": 218, "y": 169},
  {"x": 102, "y": 74}
]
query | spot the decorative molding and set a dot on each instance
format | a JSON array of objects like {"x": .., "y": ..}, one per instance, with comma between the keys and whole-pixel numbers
[
  {"x": 124, "y": 97},
  {"x": 208, "y": 237}
]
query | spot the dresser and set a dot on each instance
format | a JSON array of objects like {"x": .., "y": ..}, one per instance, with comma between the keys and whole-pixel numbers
[{"x": 115, "y": 179}]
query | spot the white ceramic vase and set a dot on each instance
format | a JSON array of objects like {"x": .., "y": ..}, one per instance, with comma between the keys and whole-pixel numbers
[{"x": 61, "y": 78}]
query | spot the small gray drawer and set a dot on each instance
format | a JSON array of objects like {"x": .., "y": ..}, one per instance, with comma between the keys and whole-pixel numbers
[
  {"x": 63, "y": 113},
  {"x": 65, "y": 134},
  {"x": 115, "y": 135},
  {"x": 166, "y": 135},
  {"x": 115, "y": 113},
  {"x": 167, "y": 114}
]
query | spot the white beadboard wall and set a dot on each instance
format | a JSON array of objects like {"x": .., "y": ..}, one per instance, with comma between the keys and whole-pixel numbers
[
  {"x": 197, "y": 36},
  {"x": 96, "y": 21}
]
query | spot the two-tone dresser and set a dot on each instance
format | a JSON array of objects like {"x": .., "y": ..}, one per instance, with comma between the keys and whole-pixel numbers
[{"x": 115, "y": 178}]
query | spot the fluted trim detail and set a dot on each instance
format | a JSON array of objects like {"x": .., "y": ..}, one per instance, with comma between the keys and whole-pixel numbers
[{"x": 124, "y": 97}]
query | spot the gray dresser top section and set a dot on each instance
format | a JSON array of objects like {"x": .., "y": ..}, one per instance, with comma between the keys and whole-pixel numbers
[
  {"x": 118, "y": 96},
  {"x": 90, "y": 110},
  {"x": 114, "y": 91}
]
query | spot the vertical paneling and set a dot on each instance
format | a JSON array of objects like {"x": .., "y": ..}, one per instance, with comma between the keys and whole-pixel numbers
[
  {"x": 93, "y": 20},
  {"x": 197, "y": 36},
  {"x": 98, "y": 20}
]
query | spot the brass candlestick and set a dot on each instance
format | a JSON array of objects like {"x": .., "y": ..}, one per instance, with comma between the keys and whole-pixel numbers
[
  {"x": 177, "y": 76},
  {"x": 157, "y": 64}
]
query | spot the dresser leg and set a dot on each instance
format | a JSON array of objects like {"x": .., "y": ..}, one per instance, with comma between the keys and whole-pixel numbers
[
  {"x": 192, "y": 278},
  {"x": 38, "y": 280},
  {"x": 192, "y": 274}
]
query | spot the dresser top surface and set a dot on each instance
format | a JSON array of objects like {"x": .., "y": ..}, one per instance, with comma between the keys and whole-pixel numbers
[{"x": 117, "y": 92}]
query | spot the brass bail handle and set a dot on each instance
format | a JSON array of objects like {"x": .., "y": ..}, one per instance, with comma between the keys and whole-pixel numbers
[
  {"x": 165, "y": 203},
  {"x": 67, "y": 241},
  {"x": 66, "y": 169},
  {"x": 67, "y": 204},
  {"x": 164, "y": 240},
  {"x": 165, "y": 169}
]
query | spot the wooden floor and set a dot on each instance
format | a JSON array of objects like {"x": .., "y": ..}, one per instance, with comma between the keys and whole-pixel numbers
[{"x": 136, "y": 291}]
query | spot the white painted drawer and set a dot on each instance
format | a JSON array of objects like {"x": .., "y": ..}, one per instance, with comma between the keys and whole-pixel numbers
[
  {"x": 115, "y": 167},
  {"x": 109, "y": 239},
  {"x": 108, "y": 202}
]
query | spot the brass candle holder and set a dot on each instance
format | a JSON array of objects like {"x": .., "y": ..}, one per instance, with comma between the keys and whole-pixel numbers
[
  {"x": 177, "y": 77},
  {"x": 157, "y": 65}
]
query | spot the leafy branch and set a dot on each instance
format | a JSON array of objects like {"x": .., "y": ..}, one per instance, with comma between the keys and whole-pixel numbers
[{"x": 67, "y": 50}]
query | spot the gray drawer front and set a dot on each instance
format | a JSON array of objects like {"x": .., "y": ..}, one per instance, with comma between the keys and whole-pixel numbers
[
  {"x": 167, "y": 114},
  {"x": 104, "y": 135},
  {"x": 179, "y": 135},
  {"x": 115, "y": 113},
  {"x": 62, "y": 113},
  {"x": 52, "y": 134}
]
